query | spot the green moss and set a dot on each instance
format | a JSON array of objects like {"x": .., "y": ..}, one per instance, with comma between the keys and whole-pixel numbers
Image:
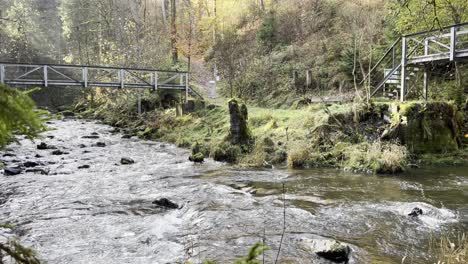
[
  {"x": 198, "y": 157},
  {"x": 226, "y": 152},
  {"x": 431, "y": 128}
]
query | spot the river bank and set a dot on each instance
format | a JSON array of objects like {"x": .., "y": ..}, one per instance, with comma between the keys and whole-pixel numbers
[
  {"x": 370, "y": 138},
  {"x": 103, "y": 212}
]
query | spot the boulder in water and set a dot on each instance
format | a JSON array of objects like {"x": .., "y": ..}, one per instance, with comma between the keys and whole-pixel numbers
[
  {"x": 86, "y": 166},
  {"x": 416, "y": 212},
  {"x": 126, "y": 161},
  {"x": 328, "y": 249},
  {"x": 9, "y": 171},
  {"x": 164, "y": 202},
  {"x": 82, "y": 146},
  {"x": 94, "y": 133}
]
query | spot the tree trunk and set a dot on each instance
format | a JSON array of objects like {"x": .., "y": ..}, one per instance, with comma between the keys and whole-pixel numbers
[{"x": 175, "y": 55}]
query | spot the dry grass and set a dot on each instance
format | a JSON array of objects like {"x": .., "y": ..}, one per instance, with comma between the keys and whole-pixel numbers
[{"x": 450, "y": 249}]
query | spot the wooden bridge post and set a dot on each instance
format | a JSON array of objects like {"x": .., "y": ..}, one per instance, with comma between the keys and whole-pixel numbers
[
  {"x": 46, "y": 81},
  {"x": 403, "y": 69},
  {"x": 2, "y": 74},
  {"x": 453, "y": 41}
]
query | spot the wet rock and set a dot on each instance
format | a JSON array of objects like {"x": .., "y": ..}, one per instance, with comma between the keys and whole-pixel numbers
[
  {"x": 114, "y": 131},
  {"x": 43, "y": 171},
  {"x": 164, "y": 202},
  {"x": 38, "y": 156},
  {"x": 86, "y": 166},
  {"x": 86, "y": 151},
  {"x": 238, "y": 186},
  {"x": 99, "y": 144},
  {"x": 58, "y": 152},
  {"x": 43, "y": 146},
  {"x": 416, "y": 212},
  {"x": 50, "y": 136},
  {"x": 328, "y": 249},
  {"x": 91, "y": 137},
  {"x": 30, "y": 164},
  {"x": 9, "y": 171},
  {"x": 67, "y": 113},
  {"x": 197, "y": 158},
  {"x": 126, "y": 161},
  {"x": 9, "y": 155},
  {"x": 94, "y": 133},
  {"x": 127, "y": 136},
  {"x": 49, "y": 122},
  {"x": 82, "y": 146}
]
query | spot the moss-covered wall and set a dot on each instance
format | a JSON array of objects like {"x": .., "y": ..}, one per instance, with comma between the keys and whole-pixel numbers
[{"x": 430, "y": 127}]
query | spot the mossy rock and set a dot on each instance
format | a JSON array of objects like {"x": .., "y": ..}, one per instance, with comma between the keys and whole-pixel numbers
[
  {"x": 197, "y": 158},
  {"x": 226, "y": 152},
  {"x": 431, "y": 127}
]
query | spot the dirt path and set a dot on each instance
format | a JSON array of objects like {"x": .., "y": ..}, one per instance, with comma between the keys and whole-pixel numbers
[{"x": 204, "y": 79}]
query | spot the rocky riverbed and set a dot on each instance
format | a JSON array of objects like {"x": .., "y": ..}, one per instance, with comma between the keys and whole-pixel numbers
[{"x": 84, "y": 194}]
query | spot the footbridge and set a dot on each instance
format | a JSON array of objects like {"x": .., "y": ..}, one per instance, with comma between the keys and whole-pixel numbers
[
  {"x": 414, "y": 55},
  {"x": 94, "y": 76}
]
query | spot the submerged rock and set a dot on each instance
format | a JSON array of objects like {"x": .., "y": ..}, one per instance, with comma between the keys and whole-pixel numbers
[
  {"x": 100, "y": 144},
  {"x": 416, "y": 212},
  {"x": 328, "y": 249},
  {"x": 91, "y": 137},
  {"x": 43, "y": 171},
  {"x": 126, "y": 161},
  {"x": 30, "y": 164},
  {"x": 164, "y": 202},
  {"x": 9, "y": 171},
  {"x": 58, "y": 152},
  {"x": 43, "y": 146}
]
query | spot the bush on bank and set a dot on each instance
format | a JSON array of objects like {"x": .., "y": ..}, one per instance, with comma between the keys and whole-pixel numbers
[{"x": 18, "y": 115}]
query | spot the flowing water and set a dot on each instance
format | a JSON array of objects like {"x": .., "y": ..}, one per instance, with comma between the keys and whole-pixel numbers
[{"x": 104, "y": 213}]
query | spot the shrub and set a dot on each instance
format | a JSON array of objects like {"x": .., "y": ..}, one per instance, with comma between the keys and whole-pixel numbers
[
  {"x": 18, "y": 115},
  {"x": 298, "y": 157}
]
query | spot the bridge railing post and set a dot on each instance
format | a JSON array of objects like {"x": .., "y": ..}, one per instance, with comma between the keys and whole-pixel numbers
[
  {"x": 84, "y": 74},
  {"x": 453, "y": 41},
  {"x": 2, "y": 74},
  {"x": 155, "y": 81},
  {"x": 46, "y": 80},
  {"x": 403, "y": 69},
  {"x": 121, "y": 74},
  {"x": 186, "y": 86}
]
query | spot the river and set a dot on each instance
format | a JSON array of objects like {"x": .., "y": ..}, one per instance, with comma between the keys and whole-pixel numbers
[{"x": 104, "y": 213}]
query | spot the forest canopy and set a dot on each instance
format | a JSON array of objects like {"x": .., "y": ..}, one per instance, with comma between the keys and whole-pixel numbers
[{"x": 290, "y": 47}]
